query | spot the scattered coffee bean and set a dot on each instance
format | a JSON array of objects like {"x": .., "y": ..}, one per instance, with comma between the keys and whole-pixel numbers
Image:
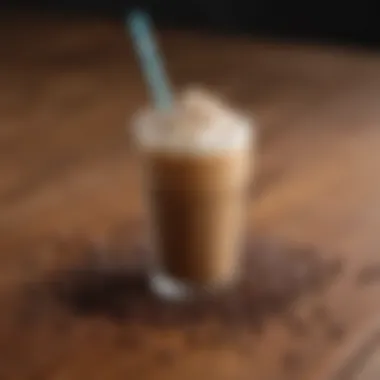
[{"x": 274, "y": 276}]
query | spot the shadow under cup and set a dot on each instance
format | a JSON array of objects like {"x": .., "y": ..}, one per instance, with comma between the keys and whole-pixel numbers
[{"x": 196, "y": 203}]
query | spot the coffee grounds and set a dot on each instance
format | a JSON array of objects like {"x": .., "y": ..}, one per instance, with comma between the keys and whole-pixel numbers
[
  {"x": 275, "y": 275},
  {"x": 33, "y": 309},
  {"x": 369, "y": 275}
]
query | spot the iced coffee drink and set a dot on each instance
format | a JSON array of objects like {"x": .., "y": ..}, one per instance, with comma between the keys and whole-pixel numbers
[{"x": 196, "y": 170}]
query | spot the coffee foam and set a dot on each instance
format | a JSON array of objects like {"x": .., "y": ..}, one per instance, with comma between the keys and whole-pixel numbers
[{"x": 197, "y": 123}]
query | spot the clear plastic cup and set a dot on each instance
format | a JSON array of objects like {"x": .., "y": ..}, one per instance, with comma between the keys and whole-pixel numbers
[{"x": 196, "y": 197}]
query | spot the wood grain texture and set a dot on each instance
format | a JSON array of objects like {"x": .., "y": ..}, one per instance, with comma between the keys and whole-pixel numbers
[{"x": 70, "y": 199}]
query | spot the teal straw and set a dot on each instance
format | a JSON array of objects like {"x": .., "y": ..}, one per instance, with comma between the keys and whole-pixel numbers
[{"x": 151, "y": 62}]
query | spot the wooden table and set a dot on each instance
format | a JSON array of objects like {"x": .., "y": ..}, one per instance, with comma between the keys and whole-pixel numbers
[{"x": 68, "y": 184}]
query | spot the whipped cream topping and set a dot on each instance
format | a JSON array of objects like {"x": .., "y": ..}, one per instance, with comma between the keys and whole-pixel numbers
[{"x": 197, "y": 123}]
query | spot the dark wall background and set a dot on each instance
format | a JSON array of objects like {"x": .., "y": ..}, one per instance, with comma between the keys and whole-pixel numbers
[{"x": 355, "y": 22}]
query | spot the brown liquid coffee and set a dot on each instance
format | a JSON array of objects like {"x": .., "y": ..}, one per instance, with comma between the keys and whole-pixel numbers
[
  {"x": 196, "y": 159},
  {"x": 197, "y": 213}
]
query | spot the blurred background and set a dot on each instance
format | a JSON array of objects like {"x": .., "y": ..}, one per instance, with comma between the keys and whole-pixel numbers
[
  {"x": 70, "y": 82},
  {"x": 329, "y": 21}
]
